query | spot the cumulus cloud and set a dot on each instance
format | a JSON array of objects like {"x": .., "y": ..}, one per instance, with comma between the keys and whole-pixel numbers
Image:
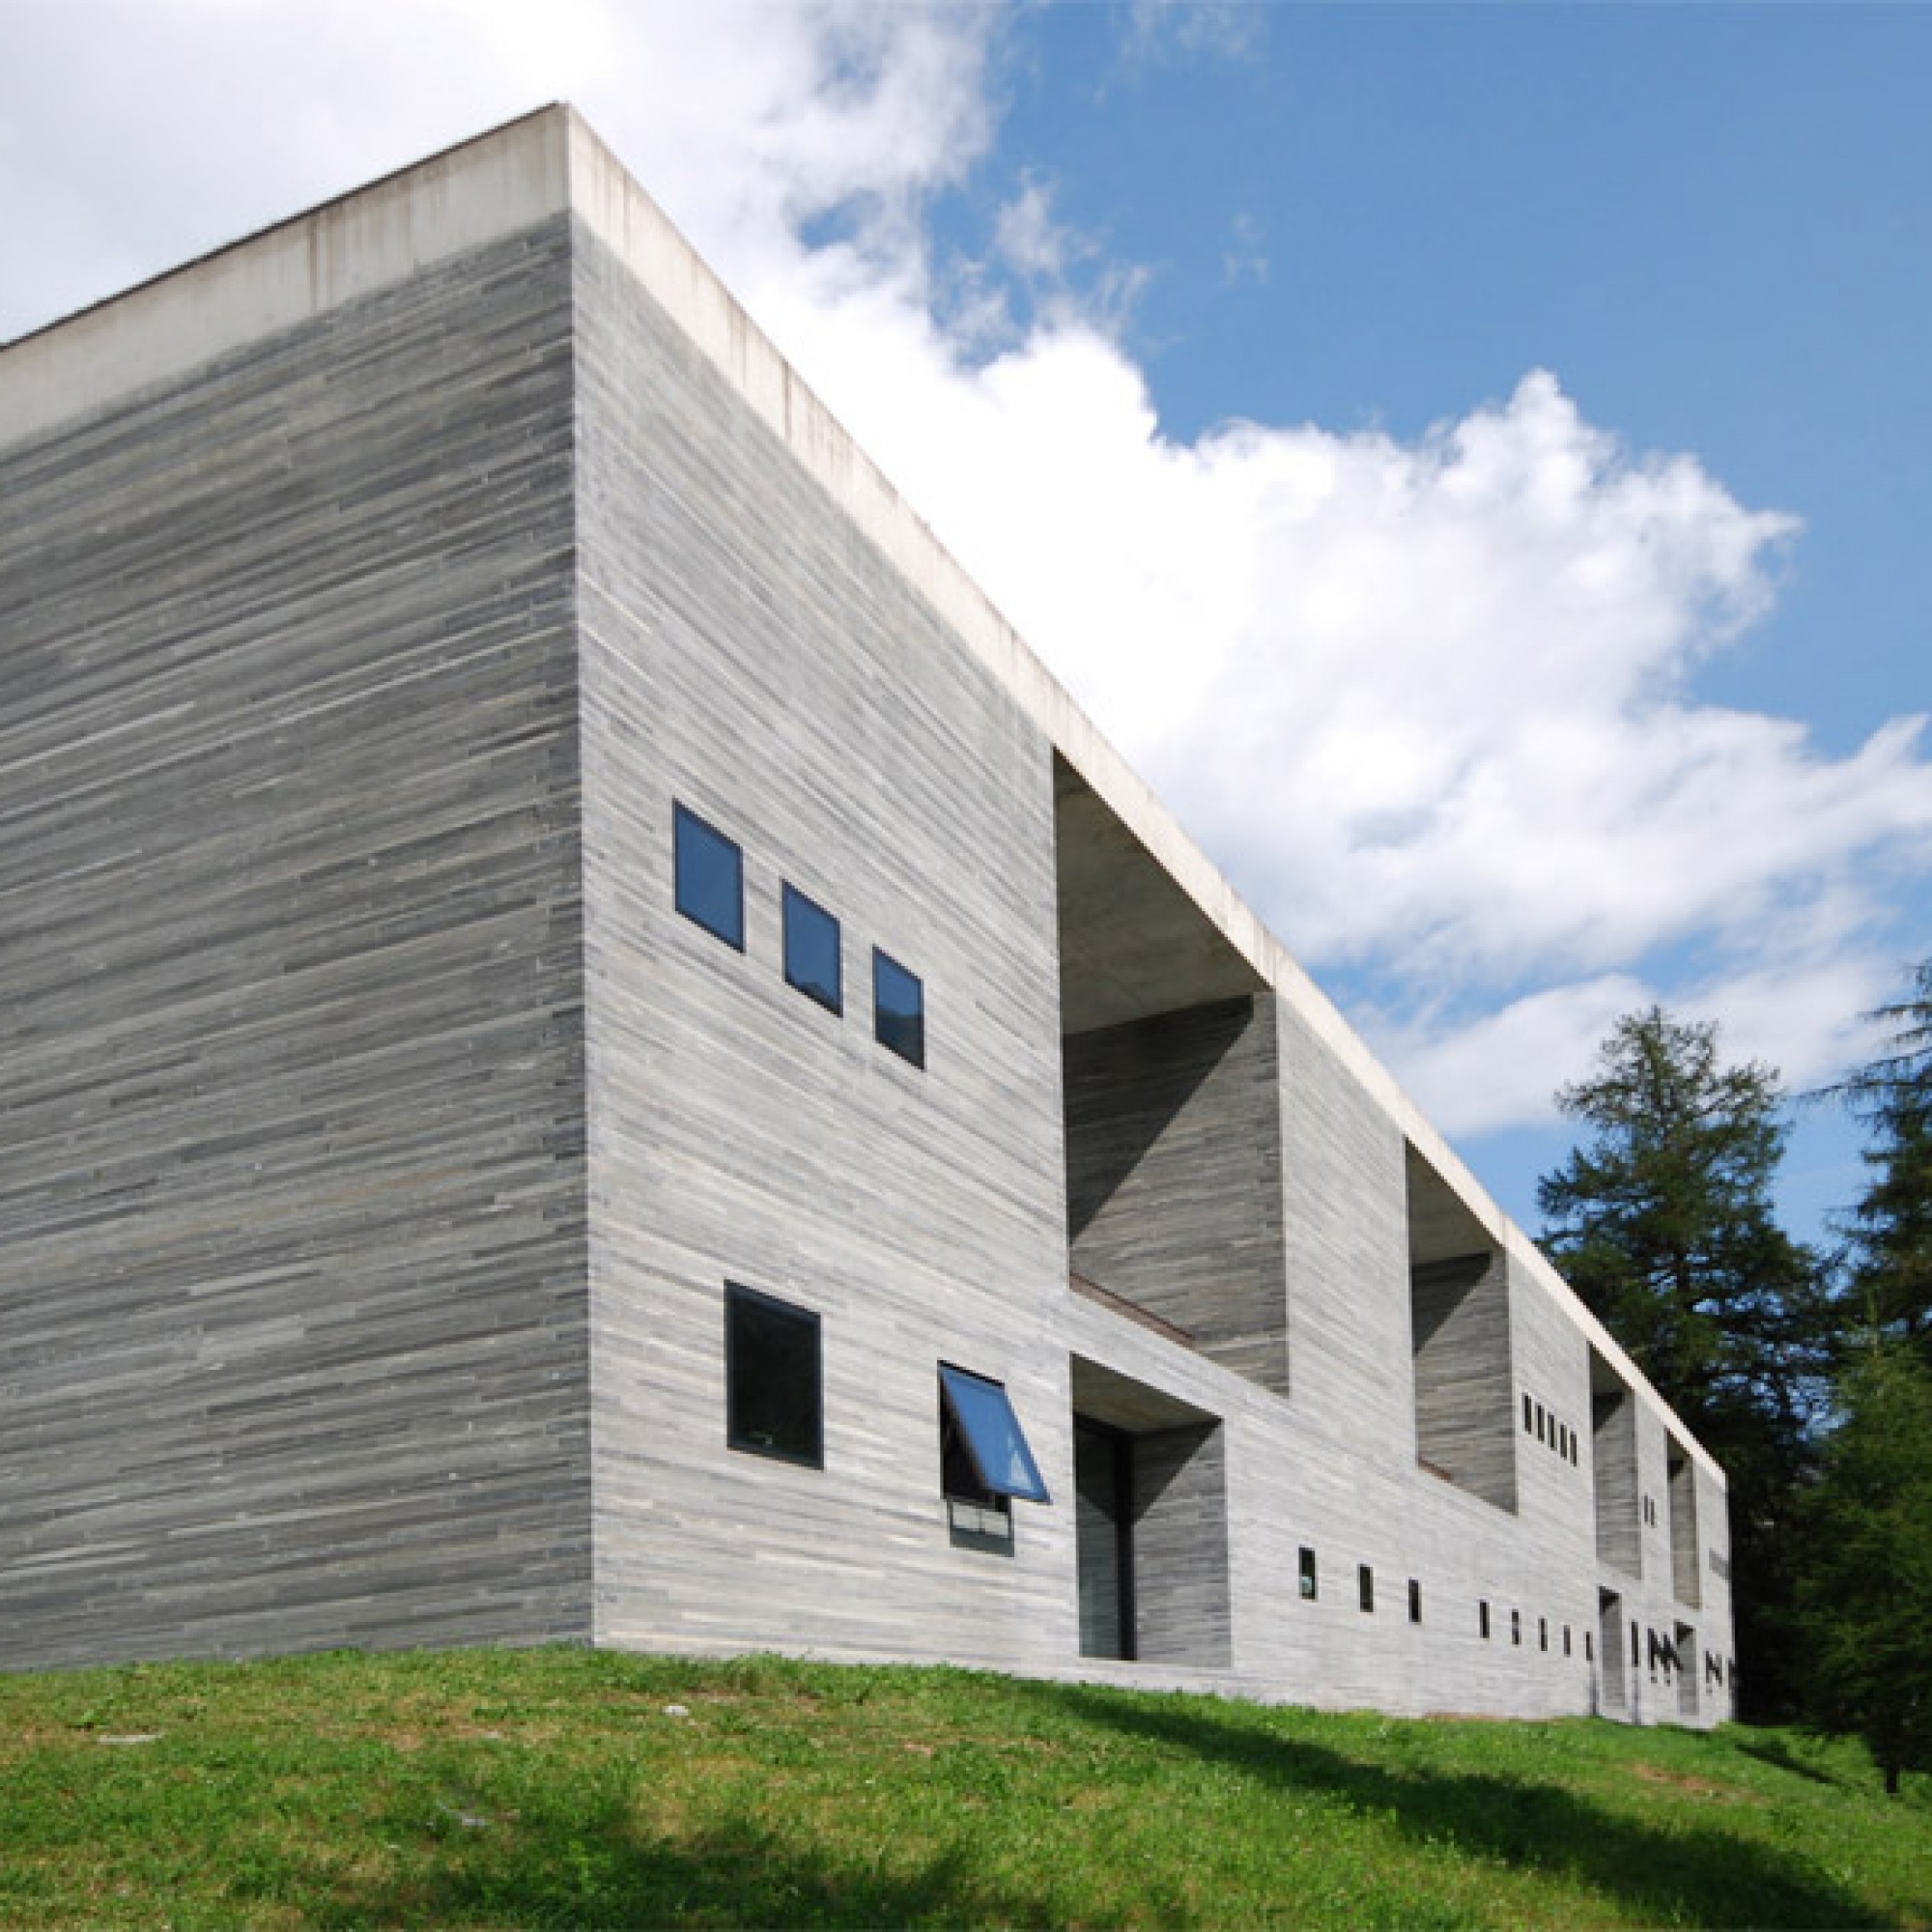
[{"x": 1431, "y": 702}]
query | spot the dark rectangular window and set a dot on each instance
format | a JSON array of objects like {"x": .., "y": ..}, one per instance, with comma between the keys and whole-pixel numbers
[
  {"x": 1365, "y": 1585},
  {"x": 981, "y": 1438},
  {"x": 710, "y": 877},
  {"x": 1542, "y": 1423},
  {"x": 1543, "y": 1633},
  {"x": 1308, "y": 1574},
  {"x": 899, "y": 1009},
  {"x": 1529, "y": 1417},
  {"x": 1415, "y": 1601},
  {"x": 1589, "y": 1648},
  {"x": 811, "y": 961},
  {"x": 1566, "y": 1639},
  {"x": 773, "y": 1388},
  {"x": 1515, "y": 1626},
  {"x": 1483, "y": 1617}
]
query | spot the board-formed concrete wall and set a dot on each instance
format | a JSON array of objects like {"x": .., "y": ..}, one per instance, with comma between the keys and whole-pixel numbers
[
  {"x": 380, "y": 1141},
  {"x": 293, "y": 1345}
]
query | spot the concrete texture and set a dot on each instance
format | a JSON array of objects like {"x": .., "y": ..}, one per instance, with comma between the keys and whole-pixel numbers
[{"x": 380, "y": 1140}]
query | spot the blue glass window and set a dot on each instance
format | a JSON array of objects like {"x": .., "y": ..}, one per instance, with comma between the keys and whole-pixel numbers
[
  {"x": 977, "y": 1422},
  {"x": 899, "y": 1009},
  {"x": 811, "y": 950},
  {"x": 710, "y": 877}
]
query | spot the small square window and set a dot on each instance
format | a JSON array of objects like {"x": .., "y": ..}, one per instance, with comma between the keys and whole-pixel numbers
[
  {"x": 773, "y": 1387},
  {"x": 983, "y": 1452},
  {"x": 1308, "y": 1586},
  {"x": 899, "y": 1009},
  {"x": 1365, "y": 1585},
  {"x": 710, "y": 877},
  {"x": 1482, "y": 1618},
  {"x": 811, "y": 961},
  {"x": 1415, "y": 1601}
]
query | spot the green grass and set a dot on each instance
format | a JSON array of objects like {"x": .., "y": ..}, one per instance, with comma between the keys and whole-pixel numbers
[{"x": 553, "y": 1788}]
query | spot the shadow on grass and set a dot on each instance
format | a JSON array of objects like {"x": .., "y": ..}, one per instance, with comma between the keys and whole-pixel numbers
[
  {"x": 1779, "y": 1754},
  {"x": 601, "y": 1868},
  {"x": 1683, "y": 1873}
]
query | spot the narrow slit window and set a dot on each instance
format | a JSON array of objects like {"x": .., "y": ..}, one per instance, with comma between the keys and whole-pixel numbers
[
  {"x": 1365, "y": 1585},
  {"x": 1515, "y": 1626},
  {"x": 1528, "y": 1418},
  {"x": 1308, "y": 1583},
  {"x": 1543, "y": 1633},
  {"x": 710, "y": 877},
  {"x": 774, "y": 1400},
  {"x": 1482, "y": 1618},
  {"x": 1414, "y": 1600},
  {"x": 981, "y": 1438},
  {"x": 811, "y": 961},
  {"x": 1566, "y": 1639},
  {"x": 899, "y": 1009},
  {"x": 1589, "y": 1648}
]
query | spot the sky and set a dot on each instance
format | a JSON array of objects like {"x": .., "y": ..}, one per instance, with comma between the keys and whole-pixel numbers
[{"x": 1472, "y": 459}]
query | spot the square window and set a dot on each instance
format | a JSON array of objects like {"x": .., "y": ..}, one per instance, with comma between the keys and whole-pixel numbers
[
  {"x": 710, "y": 877},
  {"x": 899, "y": 1009},
  {"x": 773, "y": 1388},
  {"x": 1365, "y": 1585},
  {"x": 983, "y": 1452},
  {"x": 811, "y": 961},
  {"x": 1415, "y": 1601},
  {"x": 1308, "y": 1574},
  {"x": 1483, "y": 1617}
]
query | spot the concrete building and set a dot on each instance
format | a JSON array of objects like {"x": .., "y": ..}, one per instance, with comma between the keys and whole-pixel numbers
[{"x": 595, "y": 1051}]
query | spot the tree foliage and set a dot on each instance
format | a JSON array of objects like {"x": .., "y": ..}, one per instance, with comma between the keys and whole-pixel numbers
[
  {"x": 1662, "y": 1220},
  {"x": 1891, "y": 1226},
  {"x": 1867, "y": 1590}
]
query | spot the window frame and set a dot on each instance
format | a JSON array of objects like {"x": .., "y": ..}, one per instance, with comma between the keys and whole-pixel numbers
[
  {"x": 913, "y": 1051},
  {"x": 1365, "y": 1587},
  {"x": 685, "y": 820},
  {"x": 737, "y": 1297},
  {"x": 956, "y": 1432},
  {"x": 791, "y": 898},
  {"x": 1308, "y": 1574}
]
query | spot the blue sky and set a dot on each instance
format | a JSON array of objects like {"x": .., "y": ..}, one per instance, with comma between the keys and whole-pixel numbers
[{"x": 1472, "y": 457}]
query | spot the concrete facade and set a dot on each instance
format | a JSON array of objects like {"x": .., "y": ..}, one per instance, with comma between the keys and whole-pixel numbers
[{"x": 380, "y": 1139}]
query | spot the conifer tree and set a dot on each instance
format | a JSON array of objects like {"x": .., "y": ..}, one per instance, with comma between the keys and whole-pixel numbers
[
  {"x": 1662, "y": 1221},
  {"x": 1867, "y": 1589},
  {"x": 1891, "y": 1226}
]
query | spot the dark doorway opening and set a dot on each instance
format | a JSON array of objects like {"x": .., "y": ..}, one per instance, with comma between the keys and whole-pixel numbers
[{"x": 1103, "y": 1479}]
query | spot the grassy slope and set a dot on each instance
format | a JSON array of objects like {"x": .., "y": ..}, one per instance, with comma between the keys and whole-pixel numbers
[{"x": 553, "y": 1787}]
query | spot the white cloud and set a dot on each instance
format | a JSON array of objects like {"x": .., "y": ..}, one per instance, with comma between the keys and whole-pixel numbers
[{"x": 1431, "y": 703}]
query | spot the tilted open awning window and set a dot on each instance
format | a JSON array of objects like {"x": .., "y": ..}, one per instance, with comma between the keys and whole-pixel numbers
[{"x": 990, "y": 1434}]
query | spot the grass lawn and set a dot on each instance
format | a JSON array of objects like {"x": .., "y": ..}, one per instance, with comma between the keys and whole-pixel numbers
[{"x": 570, "y": 1788}]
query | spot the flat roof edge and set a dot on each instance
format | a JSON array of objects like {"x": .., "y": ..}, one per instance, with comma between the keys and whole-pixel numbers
[{"x": 502, "y": 181}]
